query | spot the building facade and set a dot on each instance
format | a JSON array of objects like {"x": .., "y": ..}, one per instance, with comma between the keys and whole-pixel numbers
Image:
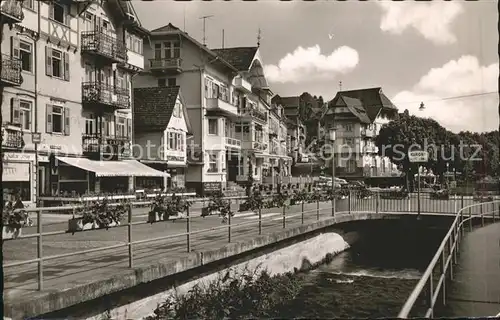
[
  {"x": 227, "y": 102},
  {"x": 76, "y": 59},
  {"x": 357, "y": 116}
]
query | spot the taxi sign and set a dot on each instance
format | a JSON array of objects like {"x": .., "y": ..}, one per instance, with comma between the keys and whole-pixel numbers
[
  {"x": 418, "y": 156},
  {"x": 36, "y": 137}
]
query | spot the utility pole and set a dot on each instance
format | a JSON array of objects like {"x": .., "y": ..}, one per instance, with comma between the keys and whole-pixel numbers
[{"x": 204, "y": 28}]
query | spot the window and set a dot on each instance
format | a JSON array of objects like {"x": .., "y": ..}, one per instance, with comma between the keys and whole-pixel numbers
[
  {"x": 208, "y": 88},
  {"x": 120, "y": 127},
  {"x": 57, "y": 64},
  {"x": 351, "y": 165},
  {"x": 25, "y": 113},
  {"x": 177, "y": 110},
  {"x": 157, "y": 51},
  {"x": 57, "y": 12},
  {"x": 224, "y": 93},
  {"x": 215, "y": 90},
  {"x": 171, "y": 82},
  {"x": 162, "y": 82},
  {"x": 89, "y": 19},
  {"x": 90, "y": 125},
  {"x": 213, "y": 126},
  {"x": 171, "y": 140},
  {"x": 25, "y": 51},
  {"x": 58, "y": 119},
  {"x": 134, "y": 44},
  {"x": 348, "y": 127},
  {"x": 28, "y": 4},
  {"x": 213, "y": 165},
  {"x": 171, "y": 49},
  {"x": 349, "y": 141}
]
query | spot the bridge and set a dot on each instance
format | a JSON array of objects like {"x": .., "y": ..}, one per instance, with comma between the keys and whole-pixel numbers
[{"x": 72, "y": 269}]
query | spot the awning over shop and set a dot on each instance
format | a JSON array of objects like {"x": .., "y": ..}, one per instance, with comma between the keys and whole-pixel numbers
[{"x": 124, "y": 168}]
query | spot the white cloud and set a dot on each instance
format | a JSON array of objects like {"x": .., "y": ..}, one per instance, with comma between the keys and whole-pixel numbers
[
  {"x": 456, "y": 78},
  {"x": 431, "y": 19},
  {"x": 309, "y": 64}
]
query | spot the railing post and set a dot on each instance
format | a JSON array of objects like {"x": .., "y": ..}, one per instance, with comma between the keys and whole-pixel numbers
[
  {"x": 443, "y": 273},
  {"x": 431, "y": 294},
  {"x": 470, "y": 218},
  {"x": 229, "y": 225},
  {"x": 462, "y": 202},
  {"x": 450, "y": 252},
  {"x": 188, "y": 229},
  {"x": 302, "y": 212},
  {"x": 482, "y": 215},
  {"x": 40, "y": 249},
  {"x": 333, "y": 206},
  {"x": 284, "y": 217},
  {"x": 129, "y": 237},
  {"x": 317, "y": 210},
  {"x": 349, "y": 201},
  {"x": 260, "y": 221},
  {"x": 377, "y": 202}
]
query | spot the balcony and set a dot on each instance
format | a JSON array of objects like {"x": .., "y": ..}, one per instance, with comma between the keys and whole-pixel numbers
[
  {"x": 103, "y": 45},
  {"x": 12, "y": 137},
  {"x": 11, "y": 71},
  {"x": 194, "y": 155},
  {"x": 11, "y": 11},
  {"x": 96, "y": 93},
  {"x": 107, "y": 147},
  {"x": 259, "y": 146},
  {"x": 233, "y": 143},
  {"x": 166, "y": 65},
  {"x": 217, "y": 104},
  {"x": 242, "y": 84},
  {"x": 254, "y": 114}
]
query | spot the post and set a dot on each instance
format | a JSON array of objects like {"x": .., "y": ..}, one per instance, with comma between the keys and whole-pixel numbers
[
  {"x": 418, "y": 192},
  {"x": 129, "y": 235},
  {"x": 37, "y": 176},
  {"x": 462, "y": 202},
  {"x": 229, "y": 224},
  {"x": 443, "y": 272},
  {"x": 450, "y": 252},
  {"x": 284, "y": 217},
  {"x": 377, "y": 198},
  {"x": 188, "y": 230},
  {"x": 431, "y": 294},
  {"x": 260, "y": 221},
  {"x": 482, "y": 214},
  {"x": 302, "y": 212},
  {"x": 40, "y": 250},
  {"x": 317, "y": 210},
  {"x": 349, "y": 201},
  {"x": 470, "y": 219}
]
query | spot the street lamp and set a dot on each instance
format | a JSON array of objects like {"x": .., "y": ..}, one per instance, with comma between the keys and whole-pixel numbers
[{"x": 332, "y": 132}]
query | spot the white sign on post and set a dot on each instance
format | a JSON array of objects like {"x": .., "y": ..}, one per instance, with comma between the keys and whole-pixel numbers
[{"x": 418, "y": 156}]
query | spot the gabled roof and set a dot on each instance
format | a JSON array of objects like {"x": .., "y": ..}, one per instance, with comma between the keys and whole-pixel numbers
[
  {"x": 127, "y": 11},
  {"x": 356, "y": 107},
  {"x": 240, "y": 57},
  {"x": 153, "y": 107}
]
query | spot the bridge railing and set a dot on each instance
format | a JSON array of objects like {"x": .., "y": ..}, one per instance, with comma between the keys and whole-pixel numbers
[
  {"x": 197, "y": 227},
  {"x": 432, "y": 285}
]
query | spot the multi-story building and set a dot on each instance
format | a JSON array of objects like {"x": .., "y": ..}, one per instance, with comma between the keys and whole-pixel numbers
[
  {"x": 161, "y": 126},
  {"x": 221, "y": 96},
  {"x": 357, "y": 116},
  {"x": 76, "y": 59}
]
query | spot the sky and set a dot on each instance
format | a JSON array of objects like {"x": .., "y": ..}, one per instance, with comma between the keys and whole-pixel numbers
[{"x": 444, "y": 54}]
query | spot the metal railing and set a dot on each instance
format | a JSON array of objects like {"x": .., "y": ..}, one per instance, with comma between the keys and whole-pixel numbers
[
  {"x": 101, "y": 93},
  {"x": 13, "y": 9},
  {"x": 104, "y": 44},
  {"x": 11, "y": 70},
  {"x": 165, "y": 63},
  {"x": 355, "y": 203},
  {"x": 13, "y": 137},
  {"x": 101, "y": 144},
  {"x": 446, "y": 257}
]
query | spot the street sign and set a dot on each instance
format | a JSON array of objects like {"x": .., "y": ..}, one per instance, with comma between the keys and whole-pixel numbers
[
  {"x": 418, "y": 156},
  {"x": 36, "y": 137}
]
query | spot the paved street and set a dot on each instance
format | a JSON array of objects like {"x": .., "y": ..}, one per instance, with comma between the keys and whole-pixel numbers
[{"x": 64, "y": 272}]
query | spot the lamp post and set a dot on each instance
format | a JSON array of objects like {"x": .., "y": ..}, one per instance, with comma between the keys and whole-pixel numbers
[{"x": 332, "y": 140}]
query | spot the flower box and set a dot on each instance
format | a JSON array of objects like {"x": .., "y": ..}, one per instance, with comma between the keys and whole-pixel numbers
[
  {"x": 9, "y": 232},
  {"x": 76, "y": 224}
]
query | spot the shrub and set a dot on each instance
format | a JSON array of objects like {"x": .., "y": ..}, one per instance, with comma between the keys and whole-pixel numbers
[{"x": 218, "y": 204}]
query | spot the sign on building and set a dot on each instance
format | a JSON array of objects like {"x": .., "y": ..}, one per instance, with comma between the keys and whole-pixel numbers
[{"x": 418, "y": 156}]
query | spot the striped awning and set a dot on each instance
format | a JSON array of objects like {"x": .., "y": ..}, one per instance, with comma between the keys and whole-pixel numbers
[{"x": 123, "y": 168}]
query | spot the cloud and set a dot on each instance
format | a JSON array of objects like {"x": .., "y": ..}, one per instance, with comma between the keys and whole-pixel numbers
[
  {"x": 454, "y": 80},
  {"x": 431, "y": 19},
  {"x": 308, "y": 64}
]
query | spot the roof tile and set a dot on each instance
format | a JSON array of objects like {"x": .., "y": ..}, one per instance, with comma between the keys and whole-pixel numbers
[
  {"x": 153, "y": 107},
  {"x": 241, "y": 57}
]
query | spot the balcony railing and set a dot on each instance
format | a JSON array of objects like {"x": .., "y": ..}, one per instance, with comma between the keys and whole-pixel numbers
[
  {"x": 12, "y": 10},
  {"x": 100, "y": 93},
  {"x": 234, "y": 143},
  {"x": 11, "y": 71},
  {"x": 102, "y": 44},
  {"x": 12, "y": 137},
  {"x": 106, "y": 145},
  {"x": 254, "y": 113},
  {"x": 165, "y": 65}
]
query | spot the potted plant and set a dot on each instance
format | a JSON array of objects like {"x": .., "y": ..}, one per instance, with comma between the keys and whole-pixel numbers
[
  {"x": 13, "y": 221},
  {"x": 218, "y": 205},
  {"x": 98, "y": 215}
]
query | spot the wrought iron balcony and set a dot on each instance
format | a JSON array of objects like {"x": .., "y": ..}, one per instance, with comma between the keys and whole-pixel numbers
[
  {"x": 166, "y": 65},
  {"x": 11, "y": 71},
  {"x": 11, "y": 11},
  {"x": 254, "y": 113},
  {"x": 12, "y": 137},
  {"x": 112, "y": 147},
  {"x": 102, "y": 94},
  {"x": 101, "y": 44}
]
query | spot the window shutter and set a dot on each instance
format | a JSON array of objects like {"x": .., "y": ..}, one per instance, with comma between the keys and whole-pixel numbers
[
  {"x": 49, "y": 119},
  {"x": 128, "y": 128},
  {"x": 15, "y": 110},
  {"x": 66, "y": 66},
  {"x": 51, "y": 10},
  {"x": 14, "y": 47},
  {"x": 67, "y": 121},
  {"x": 48, "y": 59}
]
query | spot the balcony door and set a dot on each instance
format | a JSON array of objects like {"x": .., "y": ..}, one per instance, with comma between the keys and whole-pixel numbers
[
  {"x": 89, "y": 22},
  {"x": 89, "y": 73}
]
